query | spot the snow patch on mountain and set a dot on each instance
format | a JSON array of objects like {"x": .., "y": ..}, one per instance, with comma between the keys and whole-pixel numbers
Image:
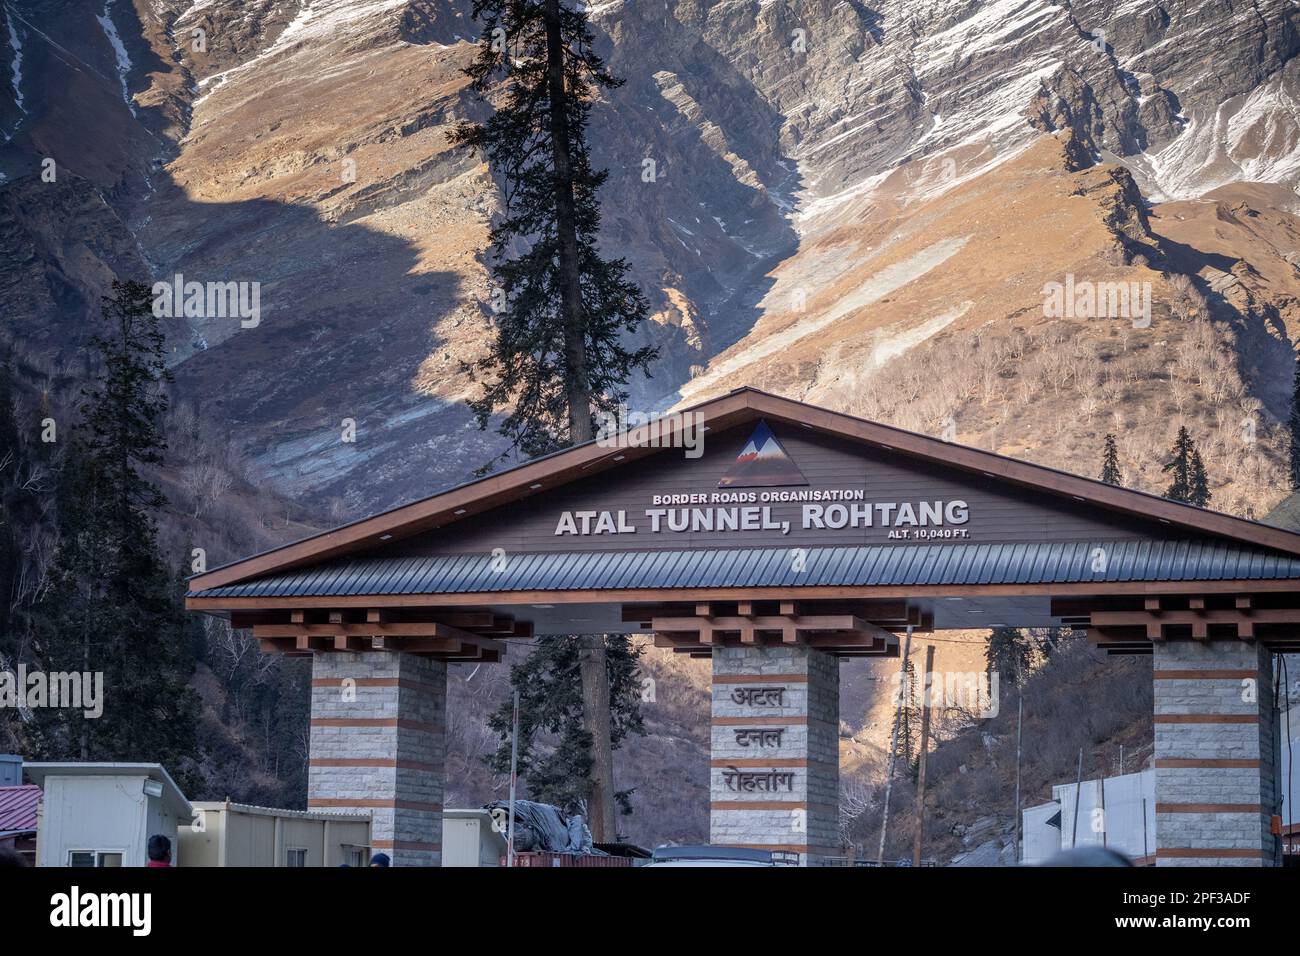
[
  {"x": 1255, "y": 138},
  {"x": 16, "y": 68},
  {"x": 892, "y": 346},
  {"x": 121, "y": 57},
  {"x": 317, "y": 30},
  {"x": 872, "y": 289},
  {"x": 323, "y": 20},
  {"x": 193, "y": 10}
]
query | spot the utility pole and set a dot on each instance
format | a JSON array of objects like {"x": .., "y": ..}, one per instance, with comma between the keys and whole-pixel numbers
[
  {"x": 594, "y": 671},
  {"x": 1020, "y": 723},
  {"x": 1102, "y": 782},
  {"x": 1145, "y": 852},
  {"x": 893, "y": 748},
  {"x": 514, "y": 764},
  {"x": 925, "y": 742},
  {"x": 1078, "y": 786}
]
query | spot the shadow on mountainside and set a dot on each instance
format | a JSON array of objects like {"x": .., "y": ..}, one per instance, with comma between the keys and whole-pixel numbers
[
  {"x": 716, "y": 219},
  {"x": 1264, "y": 350}
]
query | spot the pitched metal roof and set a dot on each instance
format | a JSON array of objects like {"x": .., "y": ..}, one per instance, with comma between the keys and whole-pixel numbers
[
  {"x": 18, "y": 808},
  {"x": 175, "y": 800},
  {"x": 592, "y": 458},
  {"x": 859, "y": 566}
]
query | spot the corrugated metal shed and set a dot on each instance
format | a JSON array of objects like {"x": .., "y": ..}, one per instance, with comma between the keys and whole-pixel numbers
[
  {"x": 18, "y": 809},
  {"x": 1129, "y": 816},
  {"x": 864, "y": 566}
]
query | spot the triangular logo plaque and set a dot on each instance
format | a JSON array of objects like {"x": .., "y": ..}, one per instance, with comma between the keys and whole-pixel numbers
[{"x": 762, "y": 463}]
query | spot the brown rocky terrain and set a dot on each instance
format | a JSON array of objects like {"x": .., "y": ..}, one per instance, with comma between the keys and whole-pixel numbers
[
  {"x": 831, "y": 188},
  {"x": 856, "y": 205}
]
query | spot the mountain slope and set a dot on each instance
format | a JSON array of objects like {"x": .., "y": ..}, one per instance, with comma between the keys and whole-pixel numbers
[{"x": 791, "y": 183}]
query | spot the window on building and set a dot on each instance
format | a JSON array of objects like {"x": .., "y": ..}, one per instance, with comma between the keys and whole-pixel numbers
[
  {"x": 354, "y": 856},
  {"x": 94, "y": 858},
  {"x": 296, "y": 856}
]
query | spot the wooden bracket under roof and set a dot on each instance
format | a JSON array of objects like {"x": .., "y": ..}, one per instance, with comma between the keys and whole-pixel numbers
[{"x": 454, "y": 635}]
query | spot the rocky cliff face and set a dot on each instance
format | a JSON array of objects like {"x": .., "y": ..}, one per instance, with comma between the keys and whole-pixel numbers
[
  {"x": 862, "y": 205},
  {"x": 827, "y": 198}
]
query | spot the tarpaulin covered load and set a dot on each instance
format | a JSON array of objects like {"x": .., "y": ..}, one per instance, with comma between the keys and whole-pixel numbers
[{"x": 540, "y": 826}]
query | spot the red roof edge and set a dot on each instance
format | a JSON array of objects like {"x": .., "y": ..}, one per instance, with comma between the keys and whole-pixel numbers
[{"x": 18, "y": 807}]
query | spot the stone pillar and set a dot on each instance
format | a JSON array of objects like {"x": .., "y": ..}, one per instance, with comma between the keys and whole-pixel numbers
[
  {"x": 1216, "y": 754},
  {"x": 774, "y": 773},
  {"x": 378, "y": 723}
]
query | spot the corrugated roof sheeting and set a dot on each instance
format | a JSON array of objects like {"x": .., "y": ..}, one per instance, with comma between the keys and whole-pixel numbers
[
  {"x": 18, "y": 808},
  {"x": 862, "y": 566}
]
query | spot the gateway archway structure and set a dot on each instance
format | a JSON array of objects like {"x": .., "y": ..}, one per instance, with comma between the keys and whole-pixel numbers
[{"x": 782, "y": 538}]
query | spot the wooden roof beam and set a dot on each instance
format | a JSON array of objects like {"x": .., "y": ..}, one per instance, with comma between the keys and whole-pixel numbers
[
  {"x": 743, "y": 406},
  {"x": 807, "y": 593},
  {"x": 365, "y": 637},
  {"x": 805, "y": 622},
  {"x": 1213, "y": 616},
  {"x": 396, "y": 629}
]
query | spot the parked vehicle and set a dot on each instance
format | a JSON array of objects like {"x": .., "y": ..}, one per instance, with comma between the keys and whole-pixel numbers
[{"x": 679, "y": 856}]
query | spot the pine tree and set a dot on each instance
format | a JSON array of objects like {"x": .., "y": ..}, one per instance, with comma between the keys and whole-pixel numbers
[
  {"x": 15, "y": 522},
  {"x": 907, "y": 719},
  {"x": 555, "y": 756},
  {"x": 11, "y": 460},
  {"x": 562, "y": 312},
  {"x": 1199, "y": 488},
  {"x": 25, "y": 524},
  {"x": 1010, "y": 654},
  {"x": 1180, "y": 468},
  {"x": 112, "y": 603},
  {"x": 1293, "y": 428},
  {"x": 191, "y": 636},
  {"x": 10, "y": 450},
  {"x": 1110, "y": 462}
]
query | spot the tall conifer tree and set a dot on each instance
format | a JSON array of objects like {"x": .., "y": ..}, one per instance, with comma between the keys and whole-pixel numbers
[
  {"x": 563, "y": 313},
  {"x": 112, "y": 604},
  {"x": 11, "y": 462},
  {"x": 907, "y": 718},
  {"x": 1198, "y": 492},
  {"x": 1293, "y": 428},
  {"x": 1179, "y": 468},
  {"x": 551, "y": 704},
  {"x": 1009, "y": 654},
  {"x": 1110, "y": 462}
]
